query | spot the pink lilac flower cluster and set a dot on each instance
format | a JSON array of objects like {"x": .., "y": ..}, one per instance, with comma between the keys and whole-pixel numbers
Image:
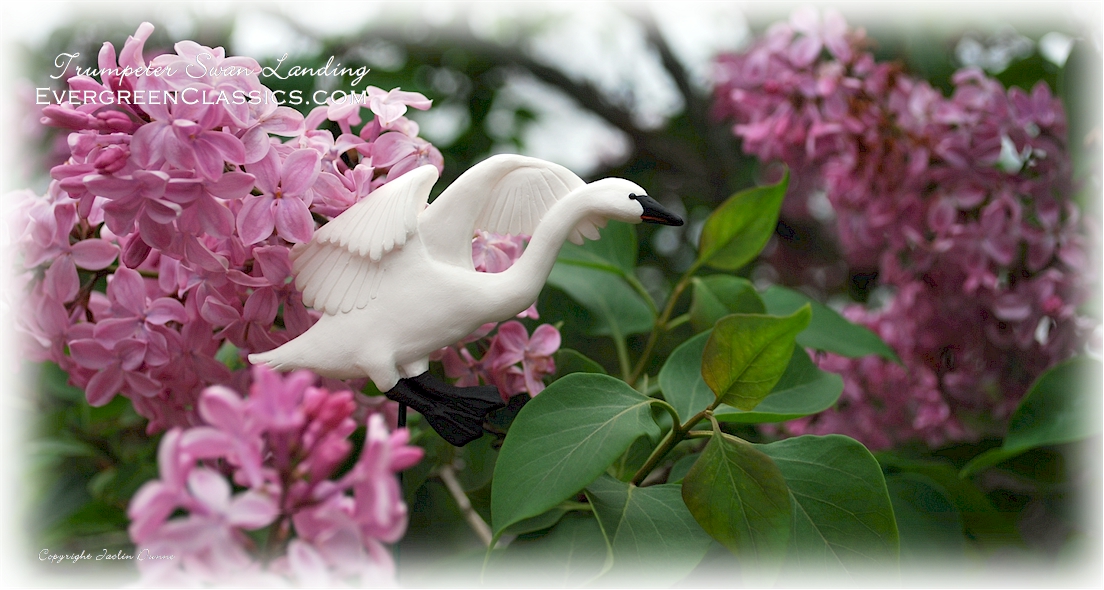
[
  {"x": 164, "y": 238},
  {"x": 273, "y": 461},
  {"x": 511, "y": 344},
  {"x": 961, "y": 203}
]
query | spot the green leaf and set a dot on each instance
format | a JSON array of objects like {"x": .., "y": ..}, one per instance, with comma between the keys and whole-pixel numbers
[
  {"x": 479, "y": 458},
  {"x": 96, "y": 518},
  {"x": 562, "y": 440},
  {"x": 842, "y": 515},
  {"x": 570, "y": 361},
  {"x": 54, "y": 381},
  {"x": 719, "y": 295},
  {"x": 63, "y": 445},
  {"x": 681, "y": 468},
  {"x": 651, "y": 533},
  {"x": 1062, "y": 406},
  {"x": 617, "y": 310},
  {"x": 681, "y": 381},
  {"x": 102, "y": 481},
  {"x": 614, "y": 252},
  {"x": 569, "y": 555},
  {"x": 746, "y": 355},
  {"x": 929, "y": 524},
  {"x": 633, "y": 459},
  {"x": 983, "y": 522},
  {"x": 736, "y": 231},
  {"x": 827, "y": 329},
  {"x": 738, "y": 495},
  {"x": 540, "y": 522},
  {"x": 802, "y": 390}
]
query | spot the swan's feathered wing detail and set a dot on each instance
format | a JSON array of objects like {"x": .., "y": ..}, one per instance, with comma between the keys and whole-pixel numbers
[
  {"x": 504, "y": 194},
  {"x": 339, "y": 269}
]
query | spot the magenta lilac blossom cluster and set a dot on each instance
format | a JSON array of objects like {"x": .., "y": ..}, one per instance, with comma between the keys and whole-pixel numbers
[
  {"x": 962, "y": 204},
  {"x": 281, "y": 446},
  {"x": 164, "y": 237}
]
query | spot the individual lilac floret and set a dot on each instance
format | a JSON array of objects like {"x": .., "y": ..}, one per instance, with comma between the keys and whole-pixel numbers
[{"x": 270, "y": 461}]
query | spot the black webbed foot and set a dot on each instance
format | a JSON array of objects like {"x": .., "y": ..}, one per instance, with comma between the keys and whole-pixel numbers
[{"x": 456, "y": 413}]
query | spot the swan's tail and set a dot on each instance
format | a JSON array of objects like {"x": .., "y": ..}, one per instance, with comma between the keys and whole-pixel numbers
[{"x": 287, "y": 357}]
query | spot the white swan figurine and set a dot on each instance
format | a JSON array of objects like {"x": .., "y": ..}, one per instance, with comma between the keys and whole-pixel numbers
[{"x": 395, "y": 281}]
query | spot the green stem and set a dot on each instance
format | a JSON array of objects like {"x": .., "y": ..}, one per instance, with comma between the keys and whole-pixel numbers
[
  {"x": 677, "y": 434},
  {"x": 622, "y": 355},
  {"x": 640, "y": 290},
  {"x": 661, "y": 325},
  {"x": 676, "y": 322}
]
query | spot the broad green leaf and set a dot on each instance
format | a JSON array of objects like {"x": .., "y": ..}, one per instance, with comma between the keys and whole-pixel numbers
[
  {"x": 827, "y": 329},
  {"x": 570, "y": 361},
  {"x": 537, "y": 523},
  {"x": 437, "y": 450},
  {"x": 99, "y": 484},
  {"x": 746, "y": 355},
  {"x": 651, "y": 533},
  {"x": 681, "y": 468},
  {"x": 562, "y": 440},
  {"x": 616, "y": 309},
  {"x": 1062, "y": 406},
  {"x": 738, "y": 495},
  {"x": 802, "y": 390},
  {"x": 681, "y": 381},
  {"x": 571, "y": 554},
  {"x": 615, "y": 251},
  {"x": 929, "y": 524},
  {"x": 736, "y": 231},
  {"x": 478, "y": 459},
  {"x": 54, "y": 381},
  {"x": 633, "y": 459},
  {"x": 62, "y": 445},
  {"x": 842, "y": 515},
  {"x": 96, "y": 517},
  {"x": 719, "y": 295},
  {"x": 982, "y": 520},
  {"x": 988, "y": 459}
]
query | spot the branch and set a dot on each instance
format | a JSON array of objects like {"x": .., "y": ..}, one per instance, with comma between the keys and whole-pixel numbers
[
  {"x": 685, "y": 159},
  {"x": 448, "y": 475},
  {"x": 721, "y": 158}
]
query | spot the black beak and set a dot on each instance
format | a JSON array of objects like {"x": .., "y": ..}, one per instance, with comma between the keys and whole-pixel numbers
[{"x": 656, "y": 213}]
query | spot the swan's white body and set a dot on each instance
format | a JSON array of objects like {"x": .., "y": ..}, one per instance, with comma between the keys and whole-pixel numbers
[{"x": 395, "y": 279}]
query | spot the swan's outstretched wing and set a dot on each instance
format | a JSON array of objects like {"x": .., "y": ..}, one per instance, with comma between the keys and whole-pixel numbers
[
  {"x": 339, "y": 269},
  {"x": 504, "y": 194}
]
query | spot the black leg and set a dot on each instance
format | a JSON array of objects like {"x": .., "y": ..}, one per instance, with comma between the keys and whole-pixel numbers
[{"x": 456, "y": 413}]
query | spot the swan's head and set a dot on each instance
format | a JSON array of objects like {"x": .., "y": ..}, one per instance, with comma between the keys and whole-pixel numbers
[{"x": 617, "y": 198}]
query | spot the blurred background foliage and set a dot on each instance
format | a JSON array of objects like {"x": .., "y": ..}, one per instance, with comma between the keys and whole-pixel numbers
[{"x": 608, "y": 90}]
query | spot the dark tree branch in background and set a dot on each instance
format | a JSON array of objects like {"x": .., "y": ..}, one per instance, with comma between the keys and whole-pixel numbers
[
  {"x": 702, "y": 162},
  {"x": 720, "y": 157}
]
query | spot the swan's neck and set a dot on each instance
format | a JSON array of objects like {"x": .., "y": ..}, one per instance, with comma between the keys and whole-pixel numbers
[{"x": 524, "y": 280}]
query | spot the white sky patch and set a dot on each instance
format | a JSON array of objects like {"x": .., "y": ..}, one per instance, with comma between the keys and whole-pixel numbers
[
  {"x": 604, "y": 46},
  {"x": 264, "y": 35},
  {"x": 1056, "y": 47},
  {"x": 698, "y": 31},
  {"x": 561, "y": 132}
]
